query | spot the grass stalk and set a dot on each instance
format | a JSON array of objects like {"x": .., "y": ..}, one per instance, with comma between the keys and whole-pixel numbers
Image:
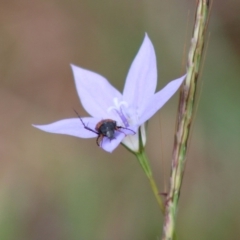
[{"x": 184, "y": 118}]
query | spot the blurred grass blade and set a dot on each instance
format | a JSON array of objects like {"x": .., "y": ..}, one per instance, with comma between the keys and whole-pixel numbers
[{"x": 184, "y": 118}]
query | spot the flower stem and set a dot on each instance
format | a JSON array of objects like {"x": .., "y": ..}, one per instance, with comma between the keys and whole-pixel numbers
[
  {"x": 185, "y": 115},
  {"x": 142, "y": 158}
]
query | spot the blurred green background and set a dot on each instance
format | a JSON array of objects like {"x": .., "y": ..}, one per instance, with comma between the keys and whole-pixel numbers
[{"x": 57, "y": 187}]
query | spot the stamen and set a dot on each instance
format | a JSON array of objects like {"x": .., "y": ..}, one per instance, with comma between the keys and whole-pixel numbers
[
  {"x": 123, "y": 103},
  {"x": 119, "y": 110},
  {"x": 122, "y": 116},
  {"x": 117, "y": 105}
]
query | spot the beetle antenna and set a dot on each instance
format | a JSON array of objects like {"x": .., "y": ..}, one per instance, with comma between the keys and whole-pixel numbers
[
  {"x": 84, "y": 125},
  {"x": 79, "y": 117}
]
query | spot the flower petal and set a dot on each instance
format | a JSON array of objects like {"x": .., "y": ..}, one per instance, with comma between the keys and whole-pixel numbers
[
  {"x": 141, "y": 80},
  {"x": 72, "y": 126},
  {"x": 160, "y": 98},
  {"x": 95, "y": 92},
  {"x": 132, "y": 141},
  {"x": 110, "y": 144}
]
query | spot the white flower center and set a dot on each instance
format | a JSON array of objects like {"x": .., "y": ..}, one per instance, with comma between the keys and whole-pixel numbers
[
  {"x": 117, "y": 105},
  {"x": 120, "y": 108}
]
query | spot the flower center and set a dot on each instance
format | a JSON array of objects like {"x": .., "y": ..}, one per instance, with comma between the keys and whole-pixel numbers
[{"x": 120, "y": 108}]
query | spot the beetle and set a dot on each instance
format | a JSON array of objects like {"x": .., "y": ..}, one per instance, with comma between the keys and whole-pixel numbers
[{"x": 104, "y": 128}]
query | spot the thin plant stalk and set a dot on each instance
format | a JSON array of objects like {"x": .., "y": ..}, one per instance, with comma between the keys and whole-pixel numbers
[
  {"x": 142, "y": 159},
  {"x": 184, "y": 118}
]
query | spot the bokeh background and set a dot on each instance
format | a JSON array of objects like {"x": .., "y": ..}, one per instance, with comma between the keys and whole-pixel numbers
[{"x": 57, "y": 187}]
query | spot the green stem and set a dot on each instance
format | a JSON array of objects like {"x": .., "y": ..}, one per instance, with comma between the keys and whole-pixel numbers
[
  {"x": 142, "y": 158},
  {"x": 185, "y": 115}
]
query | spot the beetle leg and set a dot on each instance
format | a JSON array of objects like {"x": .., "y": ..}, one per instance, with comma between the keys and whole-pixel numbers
[
  {"x": 119, "y": 127},
  {"x": 99, "y": 139}
]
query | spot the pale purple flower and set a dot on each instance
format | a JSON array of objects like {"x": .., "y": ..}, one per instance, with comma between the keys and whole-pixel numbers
[{"x": 131, "y": 109}]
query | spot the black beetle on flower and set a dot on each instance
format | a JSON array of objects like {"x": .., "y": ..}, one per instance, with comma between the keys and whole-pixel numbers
[{"x": 104, "y": 128}]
